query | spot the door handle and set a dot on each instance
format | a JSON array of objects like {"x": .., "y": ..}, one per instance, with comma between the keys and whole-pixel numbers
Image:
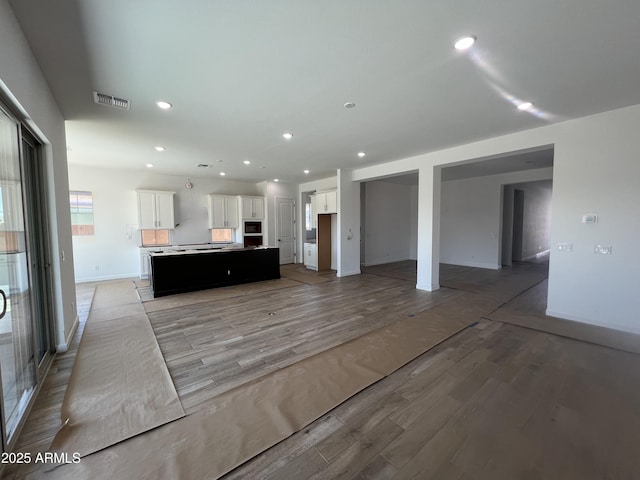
[{"x": 4, "y": 303}]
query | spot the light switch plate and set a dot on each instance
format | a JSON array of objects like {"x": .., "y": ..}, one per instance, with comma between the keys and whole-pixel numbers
[
  {"x": 602, "y": 249},
  {"x": 565, "y": 247},
  {"x": 590, "y": 218}
]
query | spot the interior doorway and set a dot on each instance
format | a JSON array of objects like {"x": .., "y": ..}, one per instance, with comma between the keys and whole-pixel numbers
[{"x": 526, "y": 222}]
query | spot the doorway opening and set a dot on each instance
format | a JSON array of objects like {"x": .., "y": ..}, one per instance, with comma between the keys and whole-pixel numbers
[{"x": 526, "y": 222}]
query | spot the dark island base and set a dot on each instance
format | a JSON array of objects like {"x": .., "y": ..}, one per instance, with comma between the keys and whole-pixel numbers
[{"x": 188, "y": 272}]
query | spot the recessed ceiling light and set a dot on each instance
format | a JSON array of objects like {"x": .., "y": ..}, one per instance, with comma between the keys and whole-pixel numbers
[
  {"x": 163, "y": 105},
  {"x": 525, "y": 106},
  {"x": 349, "y": 105},
  {"x": 361, "y": 154},
  {"x": 306, "y": 171},
  {"x": 160, "y": 149},
  {"x": 287, "y": 136},
  {"x": 149, "y": 165},
  {"x": 247, "y": 162},
  {"x": 276, "y": 179},
  {"x": 222, "y": 174},
  {"x": 464, "y": 42}
]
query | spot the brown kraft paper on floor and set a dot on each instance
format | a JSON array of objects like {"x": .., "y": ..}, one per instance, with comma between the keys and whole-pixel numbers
[
  {"x": 120, "y": 385},
  {"x": 243, "y": 422}
]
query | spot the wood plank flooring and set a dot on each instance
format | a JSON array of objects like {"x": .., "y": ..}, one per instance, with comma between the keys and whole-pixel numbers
[
  {"x": 211, "y": 347},
  {"x": 497, "y": 401}
]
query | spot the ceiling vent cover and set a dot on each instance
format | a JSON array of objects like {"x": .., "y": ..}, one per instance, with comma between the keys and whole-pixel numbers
[
  {"x": 203, "y": 165},
  {"x": 111, "y": 101}
]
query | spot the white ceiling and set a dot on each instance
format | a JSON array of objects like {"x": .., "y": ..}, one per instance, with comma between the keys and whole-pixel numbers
[{"x": 242, "y": 72}]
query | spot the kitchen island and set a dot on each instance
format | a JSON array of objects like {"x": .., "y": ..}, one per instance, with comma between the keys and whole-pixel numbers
[{"x": 189, "y": 270}]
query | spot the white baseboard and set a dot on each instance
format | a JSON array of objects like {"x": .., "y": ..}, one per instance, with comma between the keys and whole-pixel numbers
[
  {"x": 63, "y": 347},
  {"x": 491, "y": 266},
  {"x": 537, "y": 256},
  {"x": 348, "y": 274},
  {"x": 384, "y": 261},
  {"x": 586, "y": 321},
  {"x": 107, "y": 277},
  {"x": 428, "y": 287}
]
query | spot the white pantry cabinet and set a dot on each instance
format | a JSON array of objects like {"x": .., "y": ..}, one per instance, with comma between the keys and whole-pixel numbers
[{"x": 155, "y": 210}]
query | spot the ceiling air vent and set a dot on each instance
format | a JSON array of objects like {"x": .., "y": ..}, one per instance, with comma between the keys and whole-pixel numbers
[
  {"x": 110, "y": 101},
  {"x": 203, "y": 165}
]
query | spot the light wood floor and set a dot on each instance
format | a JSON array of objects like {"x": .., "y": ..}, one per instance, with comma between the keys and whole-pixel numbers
[{"x": 496, "y": 401}]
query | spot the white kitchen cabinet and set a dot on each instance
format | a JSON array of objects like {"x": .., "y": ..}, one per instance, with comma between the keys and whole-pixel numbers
[
  {"x": 327, "y": 202},
  {"x": 155, "y": 210},
  {"x": 223, "y": 211},
  {"x": 311, "y": 256},
  {"x": 252, "y": 207}
]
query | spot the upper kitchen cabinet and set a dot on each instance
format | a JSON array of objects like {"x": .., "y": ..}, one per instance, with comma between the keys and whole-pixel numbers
[
  {"x": 252, "y": 207},
  {"x": 155, "y": 210},
  {"x": 223, "y": 211},
  {"x": 326, "y": 202}
]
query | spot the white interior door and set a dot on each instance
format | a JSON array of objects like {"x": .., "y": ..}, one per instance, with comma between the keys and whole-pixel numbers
[{"x": 285, "y": 230}]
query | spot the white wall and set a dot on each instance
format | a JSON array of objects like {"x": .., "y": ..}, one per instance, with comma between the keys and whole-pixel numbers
[
  {"x": 334, "y": 242},
  {"x": 23, "y": 86},
  {"x": 596, "y": 169},
  {"x": 114, "y": 247},
  {"x": 348, "y": 248},
  {"x": 471, "y": 218},
  {"x": 389, "y": 235},
  {"x": 413, "y": 234}
]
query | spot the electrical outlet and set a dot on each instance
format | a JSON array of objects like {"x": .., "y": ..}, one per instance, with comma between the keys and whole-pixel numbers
[
  {"x": 565, "y": 247},
  {"x": 602, "y": 249}
]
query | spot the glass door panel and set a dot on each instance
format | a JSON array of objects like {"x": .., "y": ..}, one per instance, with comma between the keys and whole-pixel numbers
[
  {"x": 17, "y": 359},
  {"x": 38, "y": 249}
]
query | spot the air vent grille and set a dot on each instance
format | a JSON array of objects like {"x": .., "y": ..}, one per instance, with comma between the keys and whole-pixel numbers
[
  {"x": 111, "y": 101},
  {"x": 203, "y": 165}
]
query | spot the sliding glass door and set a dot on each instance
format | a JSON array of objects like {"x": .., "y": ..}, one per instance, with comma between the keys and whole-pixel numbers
[
  {"x": 39, "y": 252},
  {"x": 17, "y": 359}
]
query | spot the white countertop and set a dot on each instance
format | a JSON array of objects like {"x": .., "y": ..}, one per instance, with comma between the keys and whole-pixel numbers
[{"x": 187, "y": 251}]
